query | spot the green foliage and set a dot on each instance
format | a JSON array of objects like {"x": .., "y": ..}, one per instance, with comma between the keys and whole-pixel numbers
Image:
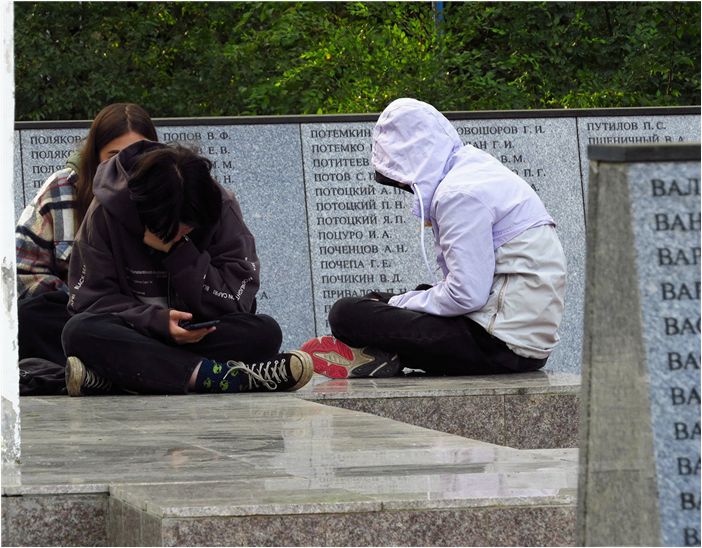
[
  {"x": 568, "y": 55},
  {"x": 181, "y": 59}
]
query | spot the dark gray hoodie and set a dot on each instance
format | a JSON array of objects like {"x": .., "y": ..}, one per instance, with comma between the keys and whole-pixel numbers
[{"x": 113, "y": 271}]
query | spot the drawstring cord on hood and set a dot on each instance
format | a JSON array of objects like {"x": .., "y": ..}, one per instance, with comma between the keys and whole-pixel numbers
[{"x": 421, "y": 234}]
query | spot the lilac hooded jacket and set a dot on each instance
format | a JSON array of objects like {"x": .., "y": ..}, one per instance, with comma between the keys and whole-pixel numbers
[{"x": 495, "y": 243}]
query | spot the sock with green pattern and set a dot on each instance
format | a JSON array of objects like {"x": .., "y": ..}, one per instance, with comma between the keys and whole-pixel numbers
[{"x": 214, "y": 377}]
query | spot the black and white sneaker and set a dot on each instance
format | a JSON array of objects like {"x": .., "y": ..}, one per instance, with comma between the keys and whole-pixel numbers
[
  {"x": 337, "y": 360},
  {"x": 285, "y": 372},
  {"x": 81, "y": 381}
]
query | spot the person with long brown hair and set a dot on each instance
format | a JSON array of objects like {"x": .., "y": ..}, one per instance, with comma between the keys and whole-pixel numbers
[{"x": 44, "y": 238}]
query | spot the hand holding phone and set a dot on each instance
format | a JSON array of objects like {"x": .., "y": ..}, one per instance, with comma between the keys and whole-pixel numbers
[{"x": 190, "y": 326}]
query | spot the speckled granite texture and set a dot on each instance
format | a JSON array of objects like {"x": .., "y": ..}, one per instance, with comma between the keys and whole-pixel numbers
[
  {"x": 55, "y": 520},
  {"x": 533, "y": 421},
  {"x": 641, "y": 406},
  {"x": 525, "y": 411},
  {"x": 548, "y": 526},
  {"x": 271, "y": 469}
]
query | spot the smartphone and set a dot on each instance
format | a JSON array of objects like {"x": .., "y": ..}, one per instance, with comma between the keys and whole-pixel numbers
[{"x": 187, "y": 324}]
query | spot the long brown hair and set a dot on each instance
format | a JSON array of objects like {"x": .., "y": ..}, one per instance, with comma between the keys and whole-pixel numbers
[{"x": 112, "y": 122}]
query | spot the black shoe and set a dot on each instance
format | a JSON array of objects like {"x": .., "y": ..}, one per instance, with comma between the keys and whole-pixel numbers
[
  {"x": 287, "y": 371},
  {"x": 81, "y": 381},
  {"x": 337, "y": 360}
]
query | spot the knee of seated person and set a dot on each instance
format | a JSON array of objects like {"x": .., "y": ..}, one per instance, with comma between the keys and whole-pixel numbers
[
  {"x": 79, "y": 326},
  {"x": 72, "y": 331},
  {"x": 75, "y": 322},
  {"x": 270, "y": 333},
  {"x": 536, "y": 365},
  {"x": 342, "y": 311}
]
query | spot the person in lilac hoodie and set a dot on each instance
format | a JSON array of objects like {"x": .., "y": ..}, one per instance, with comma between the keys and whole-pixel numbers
[{"x": 501, "y": 300}]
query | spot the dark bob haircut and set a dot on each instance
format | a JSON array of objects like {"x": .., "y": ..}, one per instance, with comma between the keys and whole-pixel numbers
[{"x": 172, "y": 185}]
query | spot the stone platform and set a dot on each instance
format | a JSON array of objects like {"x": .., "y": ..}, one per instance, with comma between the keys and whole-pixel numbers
[
  {"x": 526, "y": 411},
  {"x": 279, "y": 469}
]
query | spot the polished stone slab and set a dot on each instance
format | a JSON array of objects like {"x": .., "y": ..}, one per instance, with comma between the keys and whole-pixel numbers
[
  {"x": 651, "y": 130},
  {"x": 640, "y": 437},
  {"x": 532, "y": 410},
  {"x": 419, "y": 385},
  {"x": 58, "y": 520},
  {"x": 175, "y": 467},
  {"x": 495, "y": 526}
]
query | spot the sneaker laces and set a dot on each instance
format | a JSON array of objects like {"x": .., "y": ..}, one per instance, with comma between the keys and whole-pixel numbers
[
  {"x": 269, "y": 374},
  {"x": 94, "y": 381}
]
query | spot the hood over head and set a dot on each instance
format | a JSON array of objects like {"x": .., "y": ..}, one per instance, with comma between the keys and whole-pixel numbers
[
  {"x": 110, "y": 184},
  {"x": 413, "y": 143}
]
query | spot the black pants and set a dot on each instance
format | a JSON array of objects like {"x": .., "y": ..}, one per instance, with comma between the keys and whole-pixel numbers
[
  {"x": 140, "y": 363},
  {"x": 436, "y": 344},
  {"x": 40, "y": 323}
]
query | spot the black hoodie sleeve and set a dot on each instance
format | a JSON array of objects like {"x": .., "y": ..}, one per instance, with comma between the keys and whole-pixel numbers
[
  {"x": 94, "y": 284},
  {"x": 221, "y": 278}
]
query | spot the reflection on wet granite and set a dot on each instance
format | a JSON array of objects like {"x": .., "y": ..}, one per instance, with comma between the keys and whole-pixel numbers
[
  {"x": 172, "y": 463},
  {"x": 525, "y": 410},
  {"x": 129, "y": 526},
  {"x": 477, "y": 417},
  {"x": 420, "y": 385}
]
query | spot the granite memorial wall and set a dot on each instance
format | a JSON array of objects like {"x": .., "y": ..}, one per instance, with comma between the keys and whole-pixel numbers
[
  {"x": 640, "y": 427},
  {"x": 666, "y": 220},
  {"x": 325, "y": 230}
]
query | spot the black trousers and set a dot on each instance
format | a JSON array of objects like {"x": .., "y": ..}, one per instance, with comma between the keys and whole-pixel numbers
[
  {"x": 140, "y": 363},
  {"x": 436, "y": 344},
  {"x": 40, "y": 323}
]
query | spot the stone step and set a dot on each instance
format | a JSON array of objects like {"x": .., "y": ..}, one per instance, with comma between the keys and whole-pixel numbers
[
  {"x": 532, "y": 410},
  {"x": 271, "y": 469}
]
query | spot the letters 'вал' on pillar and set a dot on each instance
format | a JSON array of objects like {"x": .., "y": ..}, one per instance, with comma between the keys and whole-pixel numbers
[{"x": 639, "y": 480}]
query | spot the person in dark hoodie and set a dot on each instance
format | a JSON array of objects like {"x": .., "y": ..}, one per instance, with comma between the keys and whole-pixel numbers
[
  {"x": 44, "y": 240},
  {"x": 162, "y": 244},
  {"x": 500, "y": 299}
]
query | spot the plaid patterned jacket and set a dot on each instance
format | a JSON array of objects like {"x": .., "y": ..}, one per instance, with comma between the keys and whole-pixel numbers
[{"x": 44, "y": 236}]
